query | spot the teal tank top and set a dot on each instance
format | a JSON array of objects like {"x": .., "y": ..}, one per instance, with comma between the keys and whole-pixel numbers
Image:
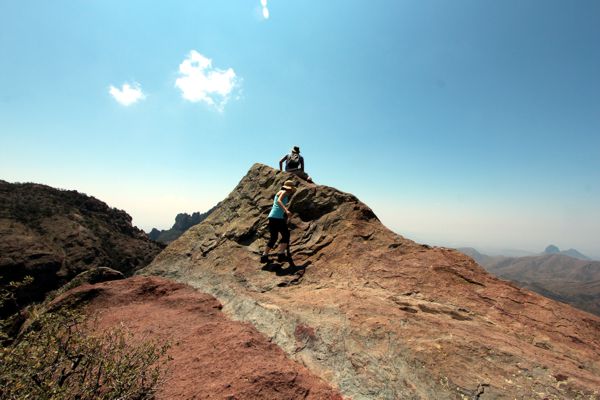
[{"x": 277, "y": 212}]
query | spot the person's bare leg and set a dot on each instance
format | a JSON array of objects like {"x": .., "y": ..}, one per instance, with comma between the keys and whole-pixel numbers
[
  {"x": 282, "y": 247},
  {"x": 281, "y": 254}
]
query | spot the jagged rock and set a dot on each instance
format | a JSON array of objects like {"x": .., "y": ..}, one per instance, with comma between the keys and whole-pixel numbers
[
  {"x": 54, "y": 235},
  {"x": 183, "y": 222},
  {"x": 377, "y": 315},
  {"x": 154, "y": 234}
]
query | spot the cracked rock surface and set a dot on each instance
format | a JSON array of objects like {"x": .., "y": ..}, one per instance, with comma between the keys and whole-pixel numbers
[{"x": 377, "y": 315}]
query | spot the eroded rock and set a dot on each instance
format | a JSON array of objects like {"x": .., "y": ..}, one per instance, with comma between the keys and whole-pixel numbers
[{"x": 377, "y": 315}]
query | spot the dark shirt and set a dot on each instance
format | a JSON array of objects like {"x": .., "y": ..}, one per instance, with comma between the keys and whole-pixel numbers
[{"x": 299, "y": 167}]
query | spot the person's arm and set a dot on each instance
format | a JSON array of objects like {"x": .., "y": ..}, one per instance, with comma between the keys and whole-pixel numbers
[
  {"x": 302, "y": 164},
  {"x": 280, "y": 202},
  {"x": 281, "y": 162}
]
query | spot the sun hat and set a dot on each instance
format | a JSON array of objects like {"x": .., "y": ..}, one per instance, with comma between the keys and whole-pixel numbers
[
  {"x": 296, "y": 149},
  {"x": 289, "y": 185}
]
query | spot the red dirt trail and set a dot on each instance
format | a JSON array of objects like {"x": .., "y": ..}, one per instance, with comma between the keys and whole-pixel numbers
[{"x": 213, "y": 357}]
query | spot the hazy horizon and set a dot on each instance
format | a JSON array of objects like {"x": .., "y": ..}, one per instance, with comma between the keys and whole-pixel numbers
[
  {"x": 508, "y": 248},
  {"x": 467, "y": 123}
]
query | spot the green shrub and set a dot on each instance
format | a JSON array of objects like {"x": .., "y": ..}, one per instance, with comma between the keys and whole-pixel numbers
[
  {"x": 8, "y": 299},
  {"x": 59, "y": 357}
]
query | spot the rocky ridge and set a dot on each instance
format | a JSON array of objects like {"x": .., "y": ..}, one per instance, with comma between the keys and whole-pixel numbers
[
  {"x": 377, "y": 315},
  {"x": 54, "y": 235},
  {"x": 183, "y": 222}
]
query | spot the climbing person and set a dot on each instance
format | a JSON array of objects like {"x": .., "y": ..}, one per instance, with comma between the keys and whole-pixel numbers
[
  {"x": 294, "y": 163},
  {"x": 278, "y": 222}
]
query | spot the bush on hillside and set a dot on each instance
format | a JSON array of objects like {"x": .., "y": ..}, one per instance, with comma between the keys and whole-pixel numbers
[
  {"x": 8, "y": 298},
  {"x": 58, "y": 358}
]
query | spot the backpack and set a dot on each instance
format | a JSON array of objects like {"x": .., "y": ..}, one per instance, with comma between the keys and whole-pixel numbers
[{"x": 293, "y": 161}]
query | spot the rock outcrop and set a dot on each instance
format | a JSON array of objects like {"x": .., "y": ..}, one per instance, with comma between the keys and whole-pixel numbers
[
  {"x": 53, "y": 235},
  {"x": 377, "y": 315},
  {"x": 183, "y": 222}
]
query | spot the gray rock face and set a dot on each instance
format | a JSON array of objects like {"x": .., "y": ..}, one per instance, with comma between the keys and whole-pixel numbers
[{"x": 375, "y": 314}]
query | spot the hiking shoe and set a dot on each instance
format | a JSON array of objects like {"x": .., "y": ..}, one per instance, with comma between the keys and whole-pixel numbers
[
  {"x": 264, "y": 258},
  {"x": 281, "y": 257}
]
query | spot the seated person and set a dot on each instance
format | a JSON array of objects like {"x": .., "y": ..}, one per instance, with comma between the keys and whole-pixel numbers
[{"x": 294, "y": 163}]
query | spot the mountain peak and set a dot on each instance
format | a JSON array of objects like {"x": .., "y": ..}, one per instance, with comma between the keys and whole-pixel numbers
[
  {"x": 183, "y": 221},
  {"x": 552, "y": 249},
  {"x": 362, "y": 306}
]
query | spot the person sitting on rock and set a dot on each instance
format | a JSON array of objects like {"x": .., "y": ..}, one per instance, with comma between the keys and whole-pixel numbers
[
  {"x": 294, "y": 163},
  {"x": 278, "y": 222}
]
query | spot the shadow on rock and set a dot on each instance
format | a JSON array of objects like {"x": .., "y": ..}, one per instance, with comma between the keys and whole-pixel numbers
[{"x": 291, "y": 269}]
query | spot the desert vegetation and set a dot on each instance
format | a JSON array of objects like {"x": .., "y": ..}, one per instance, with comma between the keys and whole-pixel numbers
[{"x": 59, "y": 354}]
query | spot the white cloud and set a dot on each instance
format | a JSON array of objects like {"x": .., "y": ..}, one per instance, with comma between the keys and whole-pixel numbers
[
  {"x": 127, "y": 95},
  {"x": 265, "y": 9},
  {"x": 199, "y": 81}
]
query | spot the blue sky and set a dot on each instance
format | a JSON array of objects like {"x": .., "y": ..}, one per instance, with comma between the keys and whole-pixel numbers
[{"x": 470, "y": 122}]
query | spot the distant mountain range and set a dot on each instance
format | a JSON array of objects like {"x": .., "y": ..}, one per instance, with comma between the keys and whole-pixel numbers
[
  {"x": 183, "y": 222},
  {"x": 552, "y": 249},
  {"x": 566, "y": 276}
]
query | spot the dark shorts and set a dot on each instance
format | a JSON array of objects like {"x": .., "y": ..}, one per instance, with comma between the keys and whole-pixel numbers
[
  {"x": 301, "y": 174},
  {"x": 278, "y": 226}
]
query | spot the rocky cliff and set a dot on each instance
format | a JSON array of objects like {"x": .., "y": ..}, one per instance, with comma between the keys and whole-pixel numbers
[
  {"x": 377, "y": 315},
  {"x": 183, "y": 222},
  {"x": 54, "y": 235}
]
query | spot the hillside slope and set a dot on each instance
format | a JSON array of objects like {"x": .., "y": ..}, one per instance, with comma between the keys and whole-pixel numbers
[
  {"x": 377, "y": 315},
  {"x": 53, "y": 235},
  {"x": 557, "y": 276},
  {"x": 210, "y": 356}
]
